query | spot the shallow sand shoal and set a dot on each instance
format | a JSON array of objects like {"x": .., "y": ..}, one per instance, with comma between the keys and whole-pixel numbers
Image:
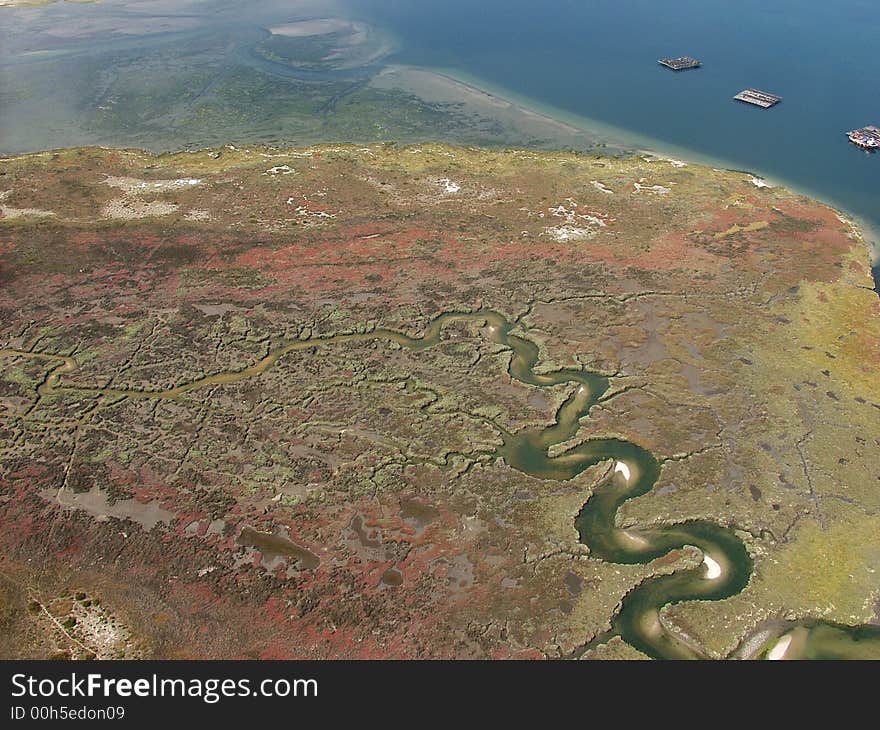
[
  {"x": 440, "y": 88},
  {"x": 321, "y": 26}
]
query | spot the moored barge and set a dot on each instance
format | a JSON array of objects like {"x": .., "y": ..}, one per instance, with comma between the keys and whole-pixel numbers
[
  {"x": 868, "y": 138},
  {"x": 758, "y": 98},
  {"x": 681, "y": 63}
]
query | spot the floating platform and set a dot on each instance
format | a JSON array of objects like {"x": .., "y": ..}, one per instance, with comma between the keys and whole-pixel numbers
[
  {"x": 868, "y": 138},
  {"x": 758, "y": 98},
  {"x": 681, "y": 63}
]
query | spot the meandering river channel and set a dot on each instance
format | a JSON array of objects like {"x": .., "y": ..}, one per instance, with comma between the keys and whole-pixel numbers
[{"x": 726, "y": 565}]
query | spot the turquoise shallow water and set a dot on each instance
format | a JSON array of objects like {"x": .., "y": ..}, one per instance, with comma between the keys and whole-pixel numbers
[{"x": 598, "y": 59}]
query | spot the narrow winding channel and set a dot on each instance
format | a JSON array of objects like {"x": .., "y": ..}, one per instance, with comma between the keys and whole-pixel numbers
[{"x": 726, "y": 565}]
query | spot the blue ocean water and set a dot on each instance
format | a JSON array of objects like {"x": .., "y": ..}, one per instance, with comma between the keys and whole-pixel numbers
[{"x": 598, "y": 59}]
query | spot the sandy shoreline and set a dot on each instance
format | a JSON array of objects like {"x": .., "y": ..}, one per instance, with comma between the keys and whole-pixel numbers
[
  {"x": 519, "y": 123},
  {"x": 452, "y": 86}
]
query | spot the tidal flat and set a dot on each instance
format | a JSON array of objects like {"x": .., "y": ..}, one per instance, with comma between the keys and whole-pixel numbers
[
  {"x": 300, "y": 344},
  {"x": 185, "y": 78}
]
